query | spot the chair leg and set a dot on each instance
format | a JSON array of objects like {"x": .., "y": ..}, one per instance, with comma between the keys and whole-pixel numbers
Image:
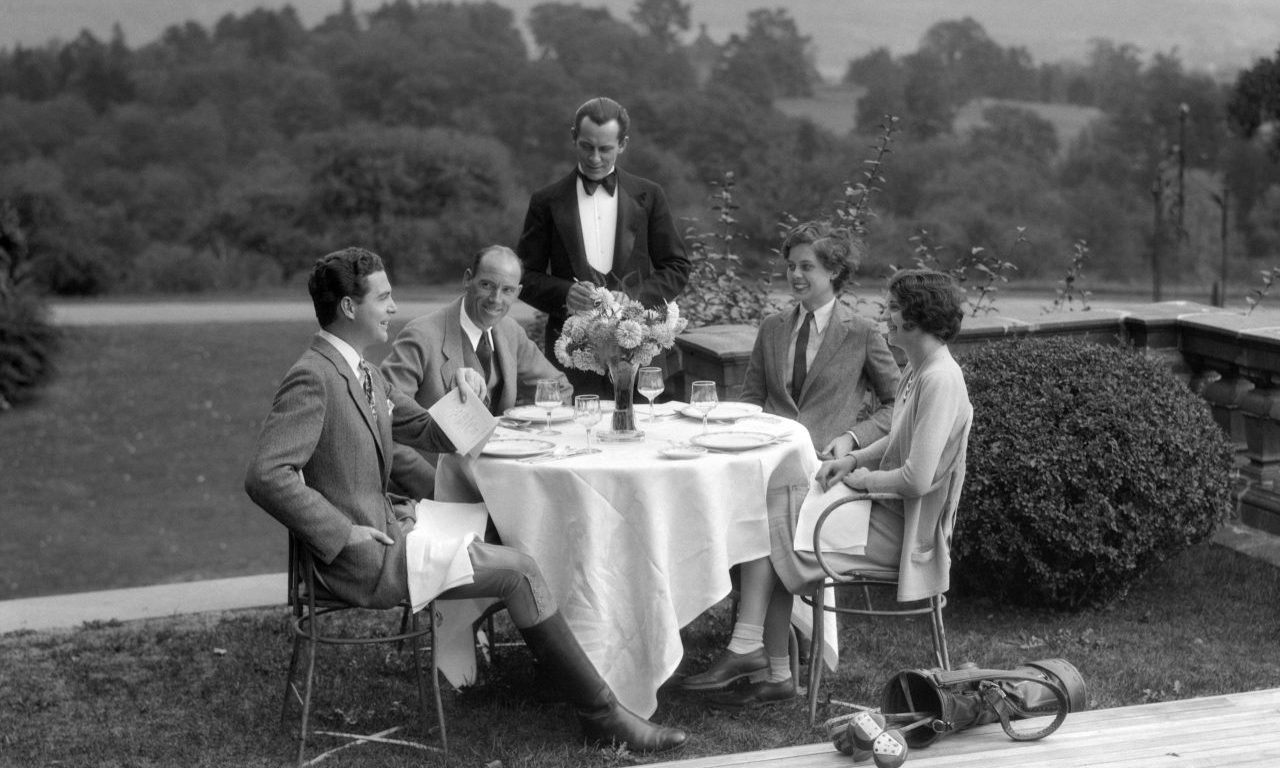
[
  {"x": 939, "y": 633},
  {"x": 290, "y": 688},
  {"x": 415, "y": 649},
  {"x": 435, "y": 679},
  {"x": 307, "y": 688},
  {"x": 815, "y": 652}
]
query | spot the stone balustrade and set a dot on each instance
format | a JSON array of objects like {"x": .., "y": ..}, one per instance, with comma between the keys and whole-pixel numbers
[{"x": 1231, "y": 359}]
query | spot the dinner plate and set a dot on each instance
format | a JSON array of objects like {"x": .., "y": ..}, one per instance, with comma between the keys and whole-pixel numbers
[
  {"x": 723, "y": 411},
  {"x": 516, "y": 447},
  {"x": 539, "y": 415},
  {"x": 732, "y": 441},
  {"x": 678, "y": 452}
]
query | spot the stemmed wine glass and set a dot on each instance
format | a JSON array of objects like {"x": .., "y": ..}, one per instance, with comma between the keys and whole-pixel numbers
[
  {"x": 650, "y": 385},
  {"x": 703, "y": 399},
  {"x": 547, "y": 397},
  {"x": 586, "y": 411}
]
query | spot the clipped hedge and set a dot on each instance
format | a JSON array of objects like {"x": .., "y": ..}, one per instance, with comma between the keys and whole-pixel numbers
[
  {"x": 1088, "y": 465},
  {"x": 28, "y": 342}
]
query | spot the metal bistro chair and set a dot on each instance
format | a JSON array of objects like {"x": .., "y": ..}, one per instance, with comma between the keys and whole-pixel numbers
[
  {"x": 866, "y": 580},
  {"x": 310, "y": 629}
]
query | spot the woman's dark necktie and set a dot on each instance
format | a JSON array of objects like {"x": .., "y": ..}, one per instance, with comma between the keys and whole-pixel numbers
[{"x": 800, "y": 365}]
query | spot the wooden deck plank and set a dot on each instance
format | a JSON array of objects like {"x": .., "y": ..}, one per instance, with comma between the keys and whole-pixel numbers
[{"x": 1237, "y": 729}]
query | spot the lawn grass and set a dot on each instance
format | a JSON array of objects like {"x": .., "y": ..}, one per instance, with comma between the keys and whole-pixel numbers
[
  {"x": 129, "y": 469},
  {"x": 205, "y": 690}
]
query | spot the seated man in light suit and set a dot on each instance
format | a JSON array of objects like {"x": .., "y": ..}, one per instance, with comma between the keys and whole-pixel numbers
[
  {"x": 321, "y": 467},
  {"x": 473, "y": 332}
]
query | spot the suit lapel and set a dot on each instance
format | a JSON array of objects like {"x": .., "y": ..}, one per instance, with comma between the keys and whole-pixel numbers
[
  {"x": 779, "y": 341},
  {"x": 630, "y": 217},
  {"x": 832, "y": 341},
  {"x": 455, "y": 344},
  {"x": 355, "y": 393}
]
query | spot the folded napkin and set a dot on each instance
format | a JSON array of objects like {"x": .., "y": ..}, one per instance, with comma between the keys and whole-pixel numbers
[
  {"x": 845, "y": 529},
  {"x": 436, "y": 548}
]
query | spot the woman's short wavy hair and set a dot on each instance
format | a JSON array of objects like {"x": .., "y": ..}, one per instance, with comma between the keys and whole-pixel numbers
[
  {"x": 837, "y": 249},
  {"x": 929, "y": 300}
]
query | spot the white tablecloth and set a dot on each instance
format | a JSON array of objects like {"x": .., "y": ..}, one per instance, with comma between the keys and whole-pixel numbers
[{"x": 633, "y": 545}]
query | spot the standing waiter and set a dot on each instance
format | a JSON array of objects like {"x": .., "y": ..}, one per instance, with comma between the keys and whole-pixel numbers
[{"x": 599, "y": 226}]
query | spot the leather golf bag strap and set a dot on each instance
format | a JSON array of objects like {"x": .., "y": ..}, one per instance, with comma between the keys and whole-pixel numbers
[{"x": 1008, "y": 709}]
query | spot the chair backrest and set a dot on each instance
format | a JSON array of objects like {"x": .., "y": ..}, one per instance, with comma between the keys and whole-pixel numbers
[{"x": 306, "y": 593}]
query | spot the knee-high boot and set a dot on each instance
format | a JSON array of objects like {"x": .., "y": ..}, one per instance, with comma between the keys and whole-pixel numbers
[{"x": 603, "y": 719}]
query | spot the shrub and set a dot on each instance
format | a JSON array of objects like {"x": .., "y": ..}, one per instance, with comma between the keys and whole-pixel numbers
[
  {"x": 1088, "y": 465},
  {"x": 28, "y": 340}
]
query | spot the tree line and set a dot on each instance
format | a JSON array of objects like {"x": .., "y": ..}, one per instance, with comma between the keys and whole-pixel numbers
[{"x": 228, "y": 157}]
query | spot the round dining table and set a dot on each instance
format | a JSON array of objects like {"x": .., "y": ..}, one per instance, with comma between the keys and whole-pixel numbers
[{"x": 637, "y": 539}]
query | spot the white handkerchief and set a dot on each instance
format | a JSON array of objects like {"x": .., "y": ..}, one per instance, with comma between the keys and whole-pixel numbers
[
  {"x": 845, "y": 529},
  {"x": 436, "y": 548}
]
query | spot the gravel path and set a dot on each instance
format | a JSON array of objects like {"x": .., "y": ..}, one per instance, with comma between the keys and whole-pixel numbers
[
  {"x": 178, "y": 312},
  {"x": 120, "y": 312}
]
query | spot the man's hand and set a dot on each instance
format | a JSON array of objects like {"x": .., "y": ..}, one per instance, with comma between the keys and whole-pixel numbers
[
  {"x": 362, "y": 533},
  {"x": 838, "y": 447},
  {"x": 469, "y": 381},
  {"x": 582, "y": 297}
]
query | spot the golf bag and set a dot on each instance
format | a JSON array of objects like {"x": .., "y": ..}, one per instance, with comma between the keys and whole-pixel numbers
[{"x": 950, "y": 701}]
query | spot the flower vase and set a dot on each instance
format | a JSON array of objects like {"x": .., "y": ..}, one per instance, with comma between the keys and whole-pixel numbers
[{"x": 623, "y": 375}]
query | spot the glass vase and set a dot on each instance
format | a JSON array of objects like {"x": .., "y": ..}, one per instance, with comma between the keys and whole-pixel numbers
[{"x": 623, "y": 375}]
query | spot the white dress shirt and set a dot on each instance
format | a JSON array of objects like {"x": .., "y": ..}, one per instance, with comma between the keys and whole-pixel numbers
[{"x": 598, "y": 217}]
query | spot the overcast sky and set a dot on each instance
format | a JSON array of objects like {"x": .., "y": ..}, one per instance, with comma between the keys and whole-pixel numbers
[{"x": 1209, "y": 34}]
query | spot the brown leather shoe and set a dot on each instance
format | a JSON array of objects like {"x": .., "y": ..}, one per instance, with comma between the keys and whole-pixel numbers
[
  {"x": 727, "y": 669},
  {"x": 755, "y": 694}
]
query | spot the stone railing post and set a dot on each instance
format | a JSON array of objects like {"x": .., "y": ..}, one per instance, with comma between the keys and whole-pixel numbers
[{"x": 1211, "y": 344}]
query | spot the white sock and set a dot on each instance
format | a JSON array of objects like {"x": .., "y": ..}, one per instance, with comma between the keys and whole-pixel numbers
[
  {"x": 746, "y": 638},
  {"x": 779, "y": 668}
]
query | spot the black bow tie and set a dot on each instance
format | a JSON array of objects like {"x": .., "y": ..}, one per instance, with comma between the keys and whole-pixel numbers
[{"x": 609, "y": 182}]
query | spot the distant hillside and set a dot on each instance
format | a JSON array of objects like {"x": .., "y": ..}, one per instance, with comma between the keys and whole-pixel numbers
[
  {"x": 1067, "y": 120},
  {"x": 833, "y": 107},
  {"x": 1216, "y": 35}
]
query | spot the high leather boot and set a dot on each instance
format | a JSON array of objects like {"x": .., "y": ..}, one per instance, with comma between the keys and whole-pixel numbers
[{"x": 603, "y": 719}]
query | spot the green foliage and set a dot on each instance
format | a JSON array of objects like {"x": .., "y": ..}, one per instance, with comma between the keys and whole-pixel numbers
[
  {"x": 976, "y": 272},
  {"x": 718, "y": 292},
  {"x": 1268, "y": 278},
  {"x": 769, "y": 61},
  {"x": 28, "y": 340},
  {"x": 165, "y": 145},
  {"x": 1255, "y": 101},
  {"x": 168, "y": 268},
  {"x": 1068, "y": 292},
  {"x": 1088, "y": 465},
  {"x": 854, "y": 209}
]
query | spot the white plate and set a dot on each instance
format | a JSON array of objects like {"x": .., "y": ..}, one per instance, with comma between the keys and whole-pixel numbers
[
  {"x": 732, "y": 441},
  {"x": 723, "y": 411},
  {"x": 539, "y": 415},
  {"x": 683, "y": 452},
  {"x": 516, "y": 447}
]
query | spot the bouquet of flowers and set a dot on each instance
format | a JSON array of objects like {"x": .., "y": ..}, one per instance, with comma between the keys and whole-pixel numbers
[{"x": 618, "y": 329}]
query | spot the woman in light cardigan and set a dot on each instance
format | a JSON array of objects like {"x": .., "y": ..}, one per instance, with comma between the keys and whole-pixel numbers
[{"x": 921, "y": 459}]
